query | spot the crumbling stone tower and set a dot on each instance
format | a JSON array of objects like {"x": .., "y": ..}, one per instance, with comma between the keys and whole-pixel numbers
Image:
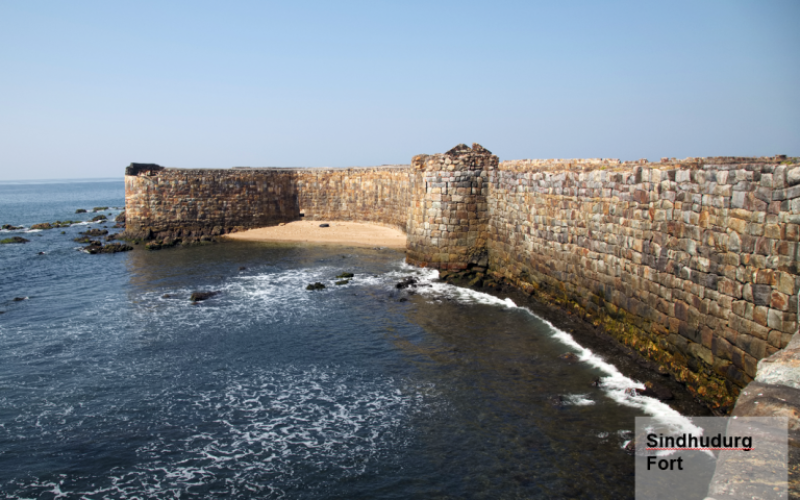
[{"x": 448, "y": 221}]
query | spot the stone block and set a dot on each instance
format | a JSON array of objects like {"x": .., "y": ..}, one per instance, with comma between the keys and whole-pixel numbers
[
  {"x": 738, "y": 225},
  {"x": 786, "y": 283},
  {"x": 793, "y": 176},
  {"x": 760, "y": 315},
  {"x": 762, "y": 294},
  {"x": 701, "y": 352},
  {"x": 771, "y": 231},
  {"x": 750, "y": 365},
  {"x": 721, "y": 348},
  {"x": 775, "y": 338},
  {"x": 779, "y": 301},
  {"x": 739, "y": 199}
]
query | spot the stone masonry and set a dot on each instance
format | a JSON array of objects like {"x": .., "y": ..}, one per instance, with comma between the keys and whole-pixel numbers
[
  {"x": 693, "y": 263},
  {"x": 448, "y": 220}
]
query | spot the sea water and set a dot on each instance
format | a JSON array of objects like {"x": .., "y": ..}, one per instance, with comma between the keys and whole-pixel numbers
[{"x": 113, "y": 384}]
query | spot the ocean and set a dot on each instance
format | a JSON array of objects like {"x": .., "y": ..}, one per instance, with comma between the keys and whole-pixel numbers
[{"x": 113, "y": 384}]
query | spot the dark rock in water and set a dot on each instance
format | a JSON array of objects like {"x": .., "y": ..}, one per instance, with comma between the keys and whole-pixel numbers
[
  {"x": 41, "y": 253},
  {"x": 13, "y": 239},
  {"x": 410, "y": 281},
  {"x": 51, "y": 225},
  {"x": 167, "y": 296},
  {"x": 315, "y": 286},
  {"x": 99, "y": 209},
  {"x": 80, "y": 211},
  {"x": 242, "y": 268},
  {"x": 200, "y": 296},
  {"x": 324, "y": 225},
  {"x": 120, "y": 217},
  {"x": 20, "y": 299},
  {"x": 9, "y": 227},
  {"x": 159, "y": 244},
  {"x": 99, "y": 218},
  {"x": 403, "y": 299},
  {"x": 656, "y": 391},
  {"x": 557, "y": 400},
  {"x": 569, "y": 357},
  {"x": 342, "y": 282},
  {"x": 345, "y": 275},
  {"x": 597, "y": 382},
  {"x": 82, "y": 239},
  {"x": 95, "y": 232},
  {"x": 2, "y": 312},
  {"x": 96, "y": 247},
  {"x": 116, "y": 247}
]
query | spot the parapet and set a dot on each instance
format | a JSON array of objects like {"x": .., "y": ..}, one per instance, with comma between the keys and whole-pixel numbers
[{"x": 143, "y": 169}]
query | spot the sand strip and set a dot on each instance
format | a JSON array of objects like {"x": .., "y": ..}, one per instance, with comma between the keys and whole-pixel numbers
[{"x": 356, "y": 234}]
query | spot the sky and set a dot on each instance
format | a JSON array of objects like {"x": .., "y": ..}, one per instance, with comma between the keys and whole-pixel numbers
[{"x": 88, "y": 87}]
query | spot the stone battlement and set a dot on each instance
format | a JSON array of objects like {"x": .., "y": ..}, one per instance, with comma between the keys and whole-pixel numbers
[{"x": 692, "y": 262}]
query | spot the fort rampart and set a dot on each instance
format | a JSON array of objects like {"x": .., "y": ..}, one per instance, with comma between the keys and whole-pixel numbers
[{"x": 693, "y": 263}]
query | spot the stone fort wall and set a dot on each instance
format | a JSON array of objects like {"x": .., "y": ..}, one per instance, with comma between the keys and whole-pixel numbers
[
  {"x": 192, "y": 204},
  {"x": 693, "y": 263},
  {"x": 378, "y": 195}
]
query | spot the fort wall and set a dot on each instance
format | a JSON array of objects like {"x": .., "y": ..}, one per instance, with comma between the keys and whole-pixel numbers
[
  {"x": 692, "y": 263},
  {"x": 378, "y": 195},
  {"x": 199, "y": 204}
]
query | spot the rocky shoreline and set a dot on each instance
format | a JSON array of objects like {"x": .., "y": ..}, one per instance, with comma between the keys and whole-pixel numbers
[
  {"x": 591, "y": 335},
  {"x": 774, "y": 392}
]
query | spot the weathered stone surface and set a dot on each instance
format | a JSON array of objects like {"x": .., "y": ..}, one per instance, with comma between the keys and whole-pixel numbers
[
  {"x": 143, "y": 169},
  {"x": 448, "y": 216},
  {"x": 95, "y": 247},
  {"x": 793, "y": 176},
  {"x": 782, "y": 368}
]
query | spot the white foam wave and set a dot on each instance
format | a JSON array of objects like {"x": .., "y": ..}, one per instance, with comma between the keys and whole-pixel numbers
[
  {"x": 266, "y": 432},
  {"x": 614, "y": 384},
  {"x": 579, "y": 400}
]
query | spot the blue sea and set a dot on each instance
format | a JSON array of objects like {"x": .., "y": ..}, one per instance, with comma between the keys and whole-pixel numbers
[{"x": 113, "y": 384}]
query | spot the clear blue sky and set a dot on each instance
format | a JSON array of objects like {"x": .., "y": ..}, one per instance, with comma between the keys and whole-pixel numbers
[{"x": 90, "y": 86}]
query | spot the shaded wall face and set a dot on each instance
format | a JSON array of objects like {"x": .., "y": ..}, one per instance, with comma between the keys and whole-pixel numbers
[
  {"x": 184, "y": 202},
  {"x": 379, "y": 195},
  {"x": 448, "y": 219},
  {"x": 693, "y": 265}
]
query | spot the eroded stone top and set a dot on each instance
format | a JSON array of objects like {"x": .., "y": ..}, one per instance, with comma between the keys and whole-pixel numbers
[{"x": 143, "y": 169}]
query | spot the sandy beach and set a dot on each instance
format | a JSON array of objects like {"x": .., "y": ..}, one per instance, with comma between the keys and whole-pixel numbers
[{"x": 339, "y": 233}]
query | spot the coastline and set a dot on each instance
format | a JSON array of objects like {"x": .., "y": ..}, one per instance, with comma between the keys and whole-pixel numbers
[{"x": 337, "y": 233}]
